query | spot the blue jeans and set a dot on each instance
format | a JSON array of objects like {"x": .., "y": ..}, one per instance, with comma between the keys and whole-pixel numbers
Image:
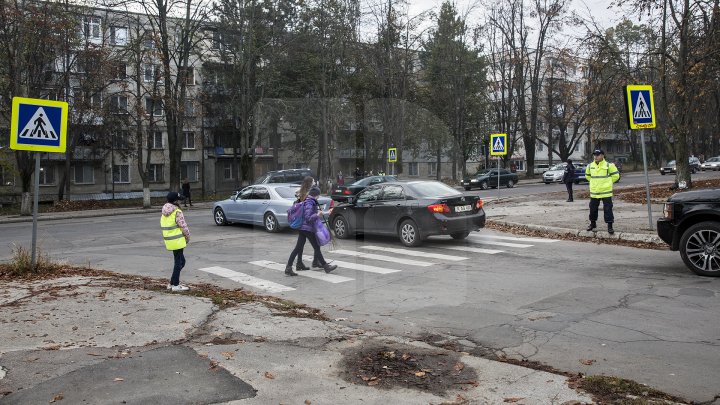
[{"x": 179, "y": 257}]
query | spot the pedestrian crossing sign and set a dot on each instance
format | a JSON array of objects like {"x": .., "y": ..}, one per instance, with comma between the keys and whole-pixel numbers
[
  {"x": 498, "y": 144},
  {"x": 392, "y": 155},
  {"x": 641, "y": 110},
  {"x": 38, "y": 125}
]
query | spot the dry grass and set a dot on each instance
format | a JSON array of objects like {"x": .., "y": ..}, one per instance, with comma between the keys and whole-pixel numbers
[{"x": 21, "y": 263}]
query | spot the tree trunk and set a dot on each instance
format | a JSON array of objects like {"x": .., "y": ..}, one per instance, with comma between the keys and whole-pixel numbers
[{"x": 26, "y": 204}]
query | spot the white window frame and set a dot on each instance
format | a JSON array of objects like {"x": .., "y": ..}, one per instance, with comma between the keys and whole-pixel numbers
[
  {"x": 228, "y": 171},
  {"x": 121, "y": 174},
  {"x": 150, "y": 72},
  {"x": 120, "y": 72},
  {"x": 156, "y": 173},
  {"x": 157, "y": 140},
  {"x": 118, "y": 35},
  {"x": 190, "y": 170},
  {"x": 189, "y": 108},
  {"x": 188, "y": 74},
  {"x": 188, "y": 140},
  {"x": 432, "y": 168},
  {"x": 157, "y": 107},
  {"x": 90, "y": 171},
  {"x": 413, "y": 169},
  {"x": 44, "y": 170},
  {"x": 119, "y": 104},
  {"x": 92, "y": 28}
]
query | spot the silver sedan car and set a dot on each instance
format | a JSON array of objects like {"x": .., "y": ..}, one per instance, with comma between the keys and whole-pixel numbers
[{"x": 263, "y": 204}]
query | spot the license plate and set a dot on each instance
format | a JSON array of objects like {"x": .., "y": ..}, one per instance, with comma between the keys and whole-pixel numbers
[
  {"x": 338, "y": 191},
  {"x": 462, "y": 208}
]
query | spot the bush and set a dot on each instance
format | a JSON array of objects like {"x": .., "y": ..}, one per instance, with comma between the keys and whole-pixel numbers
[{"x": 21, "y": 264}]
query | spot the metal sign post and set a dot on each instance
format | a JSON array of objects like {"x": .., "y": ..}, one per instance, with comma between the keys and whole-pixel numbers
[
  {"x": 35, "y": 208},
  {"x": 498, "y": 147},
  {"x": 641, "y": 115}
]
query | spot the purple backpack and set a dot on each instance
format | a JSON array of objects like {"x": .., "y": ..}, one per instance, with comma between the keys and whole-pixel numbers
[{"x": 296, "y": 215}]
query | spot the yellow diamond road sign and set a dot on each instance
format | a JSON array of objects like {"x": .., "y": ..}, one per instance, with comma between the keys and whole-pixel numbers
[
  {"x": 641, "y": 110},
  {"x": 498, "y": 144},
  {"x": 38, "y": 125},
  {"x": 392, "y": 155}
]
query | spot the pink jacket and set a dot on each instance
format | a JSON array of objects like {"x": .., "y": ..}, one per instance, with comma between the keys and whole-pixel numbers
[{"x": 168, "y": 209}]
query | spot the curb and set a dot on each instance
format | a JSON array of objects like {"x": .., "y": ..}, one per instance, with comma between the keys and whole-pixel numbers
[
  {"x": 627, "y": 236},
  {"x": 56, "y": 216}
]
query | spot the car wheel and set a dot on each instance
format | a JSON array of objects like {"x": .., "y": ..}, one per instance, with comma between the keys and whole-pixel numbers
[
  {"x": 484, "y": 185},
  {"x": 510, "y": 184},
  {"x": 409, "y": 233},
  {"x": 341, "y": 227},
  {"x": 219, "y": 216},
  {"x": 700, "y": 248},
  {"x": 271, "y": 223},
  {"x": 460, "y": 235},
  {"x": 467, "y": 188},
  {"x": 663, "y": 173}
]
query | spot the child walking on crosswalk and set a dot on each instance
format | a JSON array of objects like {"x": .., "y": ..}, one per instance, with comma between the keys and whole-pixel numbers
[{"x": 307, "y": 231}]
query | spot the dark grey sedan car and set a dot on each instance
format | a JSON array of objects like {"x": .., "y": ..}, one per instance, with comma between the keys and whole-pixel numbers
[
  {"x": 412, "y": 211},
  {"x": 489, "y": 178}
]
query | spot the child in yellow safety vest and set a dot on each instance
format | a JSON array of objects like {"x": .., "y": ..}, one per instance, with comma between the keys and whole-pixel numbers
[{"x": 176, "y": 236}]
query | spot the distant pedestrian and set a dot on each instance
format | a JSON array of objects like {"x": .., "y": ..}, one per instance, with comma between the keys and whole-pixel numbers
[
  {"x": 307, "y": 231},
  {"x": 176, "y": 235},
  {"x": 340, "y": 179},
  {"x": 186, "y": 191},
  {"x": 601, "y": 176},
  {"x": 568, "y": 179}
]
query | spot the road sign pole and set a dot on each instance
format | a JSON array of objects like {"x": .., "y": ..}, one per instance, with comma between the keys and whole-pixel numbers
[
  {"x": 647, "y": 179},
  {"x": 498, "y": 174},
  {"x": 35, "y": 209}
]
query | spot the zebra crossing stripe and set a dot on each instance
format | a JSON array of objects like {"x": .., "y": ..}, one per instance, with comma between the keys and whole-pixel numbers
[
  {"x": 516, "y": 239},
  {"x": 475, "y": 239},
  {"x": 382, "y": 258},
  {"x": 414, "y": 252},
  {"x": 473, "y": 249},
  {"x": 247, "y": 279},
  {"x": 330, "y": 278},
  {"x": 359, "y": 266}
]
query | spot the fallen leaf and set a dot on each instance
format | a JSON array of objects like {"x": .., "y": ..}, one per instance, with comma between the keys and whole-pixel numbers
[
  {"x": 228, "y": 355},
  {"x": 459, "y": 366},
  {"x": 587, "y": 362},
  {"x": 119, "y": 379},
  {"x": 513, "y": 399},
  {"x": 405, "y": 356},
  {"x": 307, "y": 402},
  {"x": 58, "y": 397},
  {"x": 420, "y": 374},
  {"x": 373, "y": 382},
  {"x": 213, "y": 365},
  {"x": 269, "y": 375}
]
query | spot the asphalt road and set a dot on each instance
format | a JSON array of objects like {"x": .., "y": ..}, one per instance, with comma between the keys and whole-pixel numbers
[{"x": 633, "y": 313}]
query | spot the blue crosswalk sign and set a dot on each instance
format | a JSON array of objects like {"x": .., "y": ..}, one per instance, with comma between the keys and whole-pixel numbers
[
  {"x": 641, "y": 111},
  {"x": 498, "y": 144},
  {"x": 38, "y": 125}
]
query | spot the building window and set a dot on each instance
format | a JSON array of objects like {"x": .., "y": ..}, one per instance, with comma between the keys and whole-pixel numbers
[
  {"x": 413, "y": 168},
  {"x": 190, "y": 170},
  {"x": 83, "y": 174},
  {"x": 118, "y": 35},
  {"x": 153, "y": 107},
  {"x": 157, "y": 140},
  {"x": 47, "y": 175},
  {"x": 188, "y": 75},
  {"x": 189, "y": 140},
  {"x": 119, "y": 71},
  {"x": 5, "y": 177},
  {"x": 217, "y": 40},
  {"x": 121, "y": 174},
  {"x": 119, "y": 104},
  {"x": 432, "y": 168},
  {"x": 228, "y": 172},
  {"x": 91, "y": 28},
  {"x": 540, "y": 146},
  {"x": 189, "y": 108},
  {"x": 577, "y": 147},
  {"x": 155, "y": 174},
  {"x": 121, "y": 140},
  {"x": 148, "y": 40},
  {"x": 152, "y": 72}
]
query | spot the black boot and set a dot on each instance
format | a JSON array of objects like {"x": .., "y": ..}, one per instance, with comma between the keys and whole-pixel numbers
[
  {"x": 610, "y": 229},
  {"x": 316, "y": 264},
  {"x": 592, "y": 226},
  {"x": 329, "y": 267},
  {"x": 301, "y": 266},
  {"x": 289, "y": 271}
]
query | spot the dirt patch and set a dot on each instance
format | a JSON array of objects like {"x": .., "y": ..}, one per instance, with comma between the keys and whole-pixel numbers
[
  {"x": 663, "y": 191},
  {"x": 395, "y": 365},
  {"x": 614, "y": 390}
]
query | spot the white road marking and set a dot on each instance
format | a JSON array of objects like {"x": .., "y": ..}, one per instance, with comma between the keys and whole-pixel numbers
[
  {"x": 474, "y": 239},
  {"x": 382, "y": 258},
  {"x": 319, "y": 275},
  {"x": 415, "y": 252},
  {"x": 357, "y": 266},
  {"x": 516, "y": 239},
  {"x": 473, "y": 249},
  {"x": 247, "y": 279}
]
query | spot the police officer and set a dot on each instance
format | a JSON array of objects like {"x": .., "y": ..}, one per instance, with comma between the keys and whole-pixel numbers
[{"x": 601, "y": 176}]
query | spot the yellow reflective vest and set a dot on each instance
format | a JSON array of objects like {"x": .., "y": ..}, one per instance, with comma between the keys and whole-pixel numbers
[
  {"x": 601, "y": 177},
  {"x": 172, "y": 234}
]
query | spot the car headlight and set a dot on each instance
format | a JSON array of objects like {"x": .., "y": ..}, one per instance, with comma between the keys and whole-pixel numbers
[{"x": 474, "y": 181}]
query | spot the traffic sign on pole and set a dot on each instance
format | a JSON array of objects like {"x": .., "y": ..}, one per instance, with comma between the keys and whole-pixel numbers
[
  {"x": 392, "y": 155},
  {"x": 640, "y": 107},
  {"x": 498, "y": 144},
  {"x": 38, "y": 125}
]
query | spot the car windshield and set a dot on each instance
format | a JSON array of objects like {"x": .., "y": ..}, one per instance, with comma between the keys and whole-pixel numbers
[
  {"x": 558, "y": 167},
  {"x": 287, "y": 192},
  {"x": 432, "y": 189},
  {"x": 363, "y": 182},
  {"x": 484, "y": 172},
  {"x": 671, "y": 163},
  {"x": 713, "y": 159},
  {"x": 261, "y": 179}
]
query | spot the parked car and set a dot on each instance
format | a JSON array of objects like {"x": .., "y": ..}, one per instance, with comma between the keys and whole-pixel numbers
[
  {"x": 265, "y": 205},
  {"x": 541, "y": 168},
  {"x": 489, "y": 178},
  {"x": 412, "y": 211},
  {"x": 341, "y": 193},
  {"x": 693, "y": 162},
  {"x": 691, "y": 224},
  {"x": 554, "y": 174},
  {"x": 294, "y": 176},
  {"x": 711, "y": 164},
  {"x": 580, "y": 173}
]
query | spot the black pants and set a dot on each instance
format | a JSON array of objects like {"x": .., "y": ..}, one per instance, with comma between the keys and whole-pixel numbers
[
  {"x": 298, "y": 251},
  {"x": 179, "y": 257},
  {"x": 569, "y": 190},
  {"x": 607, "y": 209},
  {"x": 188, "y": 200}
]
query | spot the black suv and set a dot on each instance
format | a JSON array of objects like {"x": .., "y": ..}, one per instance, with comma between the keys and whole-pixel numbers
[
  {"x": 285, "y": 176},
  {"x": 691, "y": 224}
]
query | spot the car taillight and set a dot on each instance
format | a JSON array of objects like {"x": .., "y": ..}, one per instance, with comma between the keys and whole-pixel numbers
[
  {"x": 438, "y": 208},
  {"x": 347, "y": 192},
  {"x": 479, "y": 204},
  {"x": 668, "y": 210}
]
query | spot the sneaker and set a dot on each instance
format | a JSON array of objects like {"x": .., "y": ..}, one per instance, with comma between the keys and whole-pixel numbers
[
  {"x": 169, "y": 286},
  {"x": 591, "y": 227},
  {"x": 611, "y": 231},
  {"x": 179, "y": 288},
  {"x": 329, "y": 267}
]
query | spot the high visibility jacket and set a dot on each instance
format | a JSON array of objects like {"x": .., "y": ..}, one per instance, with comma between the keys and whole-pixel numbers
[
  {"x": 172, "y": 233},
  {"x": 601, "y": 177}
]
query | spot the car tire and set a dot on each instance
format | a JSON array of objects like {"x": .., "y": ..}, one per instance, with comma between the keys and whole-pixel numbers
[
  {"x": 219, "y": 216},
  {"x": 484, "y": 185},
  {"x": 460, "y": 235},
  {"x": 663, "y": 173},
  {"x": 341, "y": 228},
  {"x": 693, "y": 247},
  {"x": 270, "y": 223},
  {"x": 510, "y": 184},
  {"x": 409, "y": 233}
]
